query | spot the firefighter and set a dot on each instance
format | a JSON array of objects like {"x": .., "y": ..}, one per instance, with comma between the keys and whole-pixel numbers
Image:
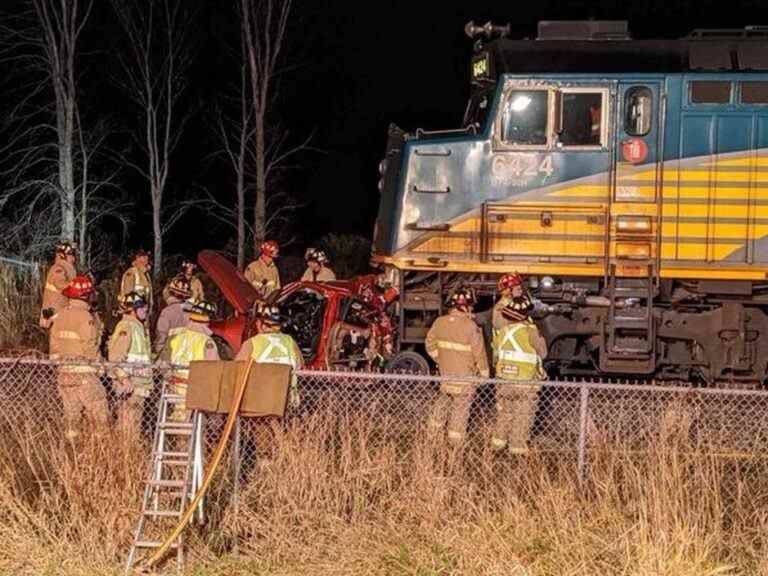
[
  {"x": 519, "y": 350},
  {"x": 173, "y": 315},
  {"x": 137, "y": 279},
  {"x": 188, "y": 344},
  {"x": 60, "y": 274},
  {"x": 271, "y": 346},
  {"x": 510, "y": 286},
  {"x": 187, "y": 273},
  {"x": 262, "y": 273},
  {"x": 456, "y": 343},
  {"x": 129, "y": 344},
  {"x": 317, "y": 267},
  {"x": 74, "y": 337}
]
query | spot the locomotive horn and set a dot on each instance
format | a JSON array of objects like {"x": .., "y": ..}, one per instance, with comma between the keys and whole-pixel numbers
[{"x": 488, "y": 30}]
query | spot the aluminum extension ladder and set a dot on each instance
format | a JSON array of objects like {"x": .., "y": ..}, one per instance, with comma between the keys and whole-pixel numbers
[{"x": 174, "y": 475}]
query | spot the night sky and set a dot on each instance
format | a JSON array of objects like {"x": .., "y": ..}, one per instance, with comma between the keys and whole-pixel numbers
[{"x": 353, "y": 68}]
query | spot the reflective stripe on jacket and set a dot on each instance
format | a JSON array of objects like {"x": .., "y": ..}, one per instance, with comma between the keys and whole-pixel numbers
[
  {"x": 275, "y": 349},
  {"x": 516, "y": 358}
]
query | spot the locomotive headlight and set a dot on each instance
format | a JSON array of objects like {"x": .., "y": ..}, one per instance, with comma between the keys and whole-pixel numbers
[
  {"x": 547, "y": 282},
  {"x": 520, "y": 103},
  {"x": 635, "y": 224}
]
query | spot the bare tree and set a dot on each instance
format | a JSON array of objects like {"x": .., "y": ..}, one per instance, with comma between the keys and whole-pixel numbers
[
  {"x": 61, "y": 23},
  {"x": 45, "y": 47},
  {"x": 154, "y": 63},
  {"x": 49, "y": 159},
  {"x": 263, "y": 25},
  {"x": 255, "y": 146},
  {"x": 236, "y": 135},
  {"x": 97, "y": 187}
]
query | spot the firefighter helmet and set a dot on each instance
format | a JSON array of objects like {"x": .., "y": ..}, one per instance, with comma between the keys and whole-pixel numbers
[
  {"x": 180, "y": 287},
  {"x": 66, "y": 249},
  {"x": 200, "y": 309},
  {"x": 518, "y": 309},
  {"x": 188, "y": 266},
  {"x": 132, "y": 301},
  {"x": 463, "y": 298},
  {"x": 316, "y": 255},
  {"x": 269, "y": 314},
  {"x": 509, "y": 281},
  {"x": 139, "y": 254},
  {"x": 79, "y": 288},
  {"x": 270, "y": 248}
]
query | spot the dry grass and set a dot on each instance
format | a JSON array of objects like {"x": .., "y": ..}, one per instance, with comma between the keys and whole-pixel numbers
[
  {"x": 20, "y": 296},
  {"x": 342, "y": 498}
]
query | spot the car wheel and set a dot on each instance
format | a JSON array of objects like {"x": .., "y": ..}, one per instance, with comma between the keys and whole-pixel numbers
[
  {"x": 225, "y": 350},
  {"x": 408, "y": 362}
]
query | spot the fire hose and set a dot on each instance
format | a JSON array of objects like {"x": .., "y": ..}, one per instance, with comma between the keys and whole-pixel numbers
[{"x": 237, "y": 399}]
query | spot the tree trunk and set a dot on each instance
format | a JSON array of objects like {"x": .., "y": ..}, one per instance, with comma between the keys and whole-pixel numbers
[
  {"x": 65, "y": 122},
  {"x": 157, "y": 232},
  {"x": 259, "y": 209},
  {"x": 240, "y": 220}
]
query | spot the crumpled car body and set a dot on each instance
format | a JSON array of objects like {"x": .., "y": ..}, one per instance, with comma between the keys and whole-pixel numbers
[{"x": 337, "y": 325}]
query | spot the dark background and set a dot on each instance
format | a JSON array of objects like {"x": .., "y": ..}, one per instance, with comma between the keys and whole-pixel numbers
[{"x": 351, "y": 69}]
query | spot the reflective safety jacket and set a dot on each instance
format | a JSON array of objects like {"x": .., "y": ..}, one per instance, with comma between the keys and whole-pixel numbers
[
  {"x": 272, "y": 348},
  {"x": 186, "y": 345},
  {"x": 515, "y": 350},
  {"x": 130, "y": 343}
]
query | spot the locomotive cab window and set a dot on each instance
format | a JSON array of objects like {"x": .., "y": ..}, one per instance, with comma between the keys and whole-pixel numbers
[
  {"x": 524, "y": 119},
  {"x": 581, "y": 118},
  {"x": 710, "y": 92},
  {"x": 754, "y": 92},
  {"x": 638, "y": 110}
]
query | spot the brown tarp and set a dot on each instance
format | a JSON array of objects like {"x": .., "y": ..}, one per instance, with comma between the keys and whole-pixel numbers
[{"x": 212, "y": 385}]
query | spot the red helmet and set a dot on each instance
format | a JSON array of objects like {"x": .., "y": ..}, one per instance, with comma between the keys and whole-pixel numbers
[
  {"x": 509, "y": 281},
  {"x": 79, "y": 288},
  {"x": 270, "y": 248}
]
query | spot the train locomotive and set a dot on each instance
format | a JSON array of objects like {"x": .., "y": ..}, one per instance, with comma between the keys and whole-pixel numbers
[{"x": 626, "y": 179}]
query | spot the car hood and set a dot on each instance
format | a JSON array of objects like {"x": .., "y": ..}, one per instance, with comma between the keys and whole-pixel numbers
[{"x": 236, "y": 289}]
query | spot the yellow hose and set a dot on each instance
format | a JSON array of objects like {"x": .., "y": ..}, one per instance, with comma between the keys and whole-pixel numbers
[{"x": 217, "y": 455}]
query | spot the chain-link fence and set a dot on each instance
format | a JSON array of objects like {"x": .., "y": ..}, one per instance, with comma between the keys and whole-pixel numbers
[
  {"x": 355, "y": 439},
  {"x": 568, "y": 419}
]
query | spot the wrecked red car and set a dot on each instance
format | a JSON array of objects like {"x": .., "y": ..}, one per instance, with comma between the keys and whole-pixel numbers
[{"x": 337, "y": 325}]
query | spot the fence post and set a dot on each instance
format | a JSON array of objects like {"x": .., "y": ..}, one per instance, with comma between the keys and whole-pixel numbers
[
  {"x": 583, "y": 412},
  {"x": 236, "y": 466}
]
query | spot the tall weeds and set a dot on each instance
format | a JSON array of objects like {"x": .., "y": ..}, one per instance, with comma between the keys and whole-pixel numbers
[
  {"x": 20, "y": 296},
  {"x": 341, "y": 496}
]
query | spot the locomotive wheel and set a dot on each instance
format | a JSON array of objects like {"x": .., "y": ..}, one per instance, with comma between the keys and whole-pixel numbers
[{"x": 408, "y": 362}]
